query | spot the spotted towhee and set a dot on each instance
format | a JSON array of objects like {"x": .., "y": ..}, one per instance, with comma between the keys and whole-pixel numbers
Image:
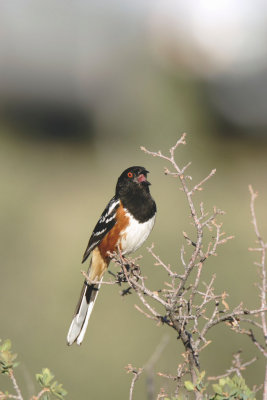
[{"x": 124, "y": 225}]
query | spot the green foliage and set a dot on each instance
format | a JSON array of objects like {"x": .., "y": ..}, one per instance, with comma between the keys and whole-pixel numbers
[
  {"x": 49, "y": 386},
  {"x": 189, "y": 386},
  {"x": 200, "y": 385},
  {"x": 7, "y": 358},
  {"x": 232, "y": 388},
  {"x": 45, "y": 379},
  {"x": 226, "y": 388}
]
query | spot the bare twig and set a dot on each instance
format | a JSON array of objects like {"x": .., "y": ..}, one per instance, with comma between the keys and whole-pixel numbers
[
  {"x": 178, "y": 291},
  {"x": 95, "y": 282},
  {"x": 263, "y": 285},
  {"x": 149, "y": 368},
  {"x": 136, "y": 373},
  {"x": 262, "y": 264},
  {"x": 39, "y": 395},
  {"x": 186, "y": 303},
  {"x": 15, "y": 385},
  {"x": 150, "y": 364},
  {"x": 4, "y": 396},
  {"x": 237, "y": 367}
]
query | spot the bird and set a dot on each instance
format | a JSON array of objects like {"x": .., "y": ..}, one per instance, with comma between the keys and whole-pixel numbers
[{"x": 123, "y": 227}]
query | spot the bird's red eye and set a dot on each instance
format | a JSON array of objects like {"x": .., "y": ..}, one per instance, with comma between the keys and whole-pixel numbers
[{"x": 130, "y": 174}]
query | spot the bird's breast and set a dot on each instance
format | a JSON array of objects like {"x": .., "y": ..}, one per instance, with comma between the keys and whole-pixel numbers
[{"x": 134, "y": 235}]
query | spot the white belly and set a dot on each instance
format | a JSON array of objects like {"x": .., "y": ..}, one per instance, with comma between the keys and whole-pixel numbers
[{"x": 135, "y": 234}]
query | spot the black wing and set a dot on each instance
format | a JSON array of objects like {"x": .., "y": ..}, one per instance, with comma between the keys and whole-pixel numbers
[{"x": 105, "y": 223}]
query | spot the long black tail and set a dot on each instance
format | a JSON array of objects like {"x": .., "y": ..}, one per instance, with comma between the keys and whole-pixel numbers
[{"x": 82, "y": 314}]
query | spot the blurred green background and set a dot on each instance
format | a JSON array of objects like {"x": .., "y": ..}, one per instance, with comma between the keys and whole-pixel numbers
[{"x": 83, "y": 86}]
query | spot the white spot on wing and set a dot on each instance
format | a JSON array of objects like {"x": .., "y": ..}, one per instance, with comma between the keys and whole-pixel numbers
[
  {"x": 111, "y": 208},
  {"x": 113, "y": 205},
  {"x": 111, "y": 218},
  {"x": 99, "y": 232}
]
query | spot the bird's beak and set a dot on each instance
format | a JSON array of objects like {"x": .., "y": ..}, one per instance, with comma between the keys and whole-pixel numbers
[{"x": 142, "y": 179}]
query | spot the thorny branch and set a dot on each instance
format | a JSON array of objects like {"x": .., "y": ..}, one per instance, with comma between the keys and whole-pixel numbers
[
  {"x": 15, "y": 385},
  {"x": 187, "y": 304},
  {"x": 237, "y": 367},
  {"x": 4, "y": 396},
  {"x": 178, "y": 297},
  {"x": 262, "y": 265},
  {"x": 261, "y": 248},
  {"x": 18, "y": 395},
  {"x": 148, "y": 368},
  {"x": 40, "y": 394},
  {"x": 136, "y": 372}
]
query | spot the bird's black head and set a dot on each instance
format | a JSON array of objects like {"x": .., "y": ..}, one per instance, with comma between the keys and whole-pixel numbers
[
  {"x": 133, "y": 191},
  {"x": 132, "y": 178}
]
